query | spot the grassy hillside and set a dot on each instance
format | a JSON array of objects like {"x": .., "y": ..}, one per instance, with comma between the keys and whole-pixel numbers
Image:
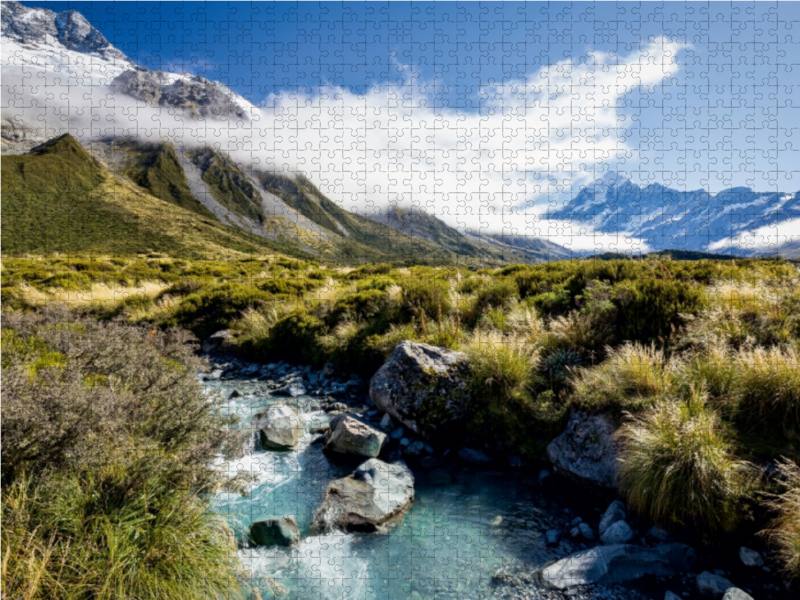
[
  {"x": 59, "y": 199},
  {"x": 157, "y": 169}
]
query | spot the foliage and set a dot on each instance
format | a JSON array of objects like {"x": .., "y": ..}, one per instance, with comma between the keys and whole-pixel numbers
[
  {"x": 784, "y": 530},
  {"x": 678, "y": 466}
]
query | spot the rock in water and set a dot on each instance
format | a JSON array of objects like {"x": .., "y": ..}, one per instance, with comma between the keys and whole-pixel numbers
[
  {"x": 280, "y": 428},
  {"x": 373, "y": 498},
  {"x": 350, "y": 436},
  {"x": 423, "y": 387},
  {"x": 275, "y": 532},
  {"x": 586, "y": 451},
  {"x": 293, "y": 390},
  {"x": 710, "y": 584},
  {"x": 612, "y": 564},
  {"x": 615, "y": 512}
]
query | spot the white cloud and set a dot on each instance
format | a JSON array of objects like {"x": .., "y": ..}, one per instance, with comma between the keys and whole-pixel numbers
[
  {"x": 494, "y": 169},
  {"x": 766, "y": 238}
]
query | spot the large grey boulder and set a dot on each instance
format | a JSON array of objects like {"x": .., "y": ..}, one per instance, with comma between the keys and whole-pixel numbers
[
  {"x": 275, "y": 532},
  {"x": 351, "y": 436},
  {"x": 710, "y": 584},
  {"x": 613, "y": 564},
  {"x": 216, "y": 341},
  {"x": 373, "y": 498},
  {"x": 280, "y": 428},
  {"x": 423, "y": 387},
  {"x": 586, "y": 451}
]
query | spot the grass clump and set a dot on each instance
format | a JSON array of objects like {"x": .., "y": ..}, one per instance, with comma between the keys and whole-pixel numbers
[
  {"x": 784, "y": 530},
  {"x": 678, "y": 467},
  {"x": 633, "y": 378}
]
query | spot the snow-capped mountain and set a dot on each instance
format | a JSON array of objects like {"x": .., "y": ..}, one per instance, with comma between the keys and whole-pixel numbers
[{"x": 738, "y": 220}]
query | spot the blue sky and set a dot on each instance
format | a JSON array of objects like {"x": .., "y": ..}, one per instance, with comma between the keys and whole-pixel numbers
[{"x": 552, "y": 95}]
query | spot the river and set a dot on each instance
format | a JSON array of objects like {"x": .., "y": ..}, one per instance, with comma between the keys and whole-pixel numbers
[{"x": 464, "y": 526}]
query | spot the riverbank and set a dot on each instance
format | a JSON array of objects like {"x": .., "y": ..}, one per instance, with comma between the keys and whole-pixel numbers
[{"x": 471, "y": 532}]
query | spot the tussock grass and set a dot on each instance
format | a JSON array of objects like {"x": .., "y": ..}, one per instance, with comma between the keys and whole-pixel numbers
[
  {"x": 784, "y": 530},
  {"x": 678, "y": 466},
  {"x": 632, "y": 378}
]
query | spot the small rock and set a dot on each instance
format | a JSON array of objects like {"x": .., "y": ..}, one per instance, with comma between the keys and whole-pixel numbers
[
  {"x": 544, "y": 477},
  {"x": 670, "y": 596},
  {"x": 351, "y": 436},
  {"x": 427, "y": 448},
  {"x": 586, "y": 531},
  {"x": 275, "y": 532},
  {"x": 514, "y": 461},
  {"x": 404, "y": 442},
  {"x": 552, "y": 537},
  {"x": 497, "y": 521},
  {"x": 236, "y": 394},
  {"x": 397, "y": 434},
  {"x": 216, "y": 340},
  {"x": 576, "y": 520},
  {"x": 431, "y": 462},
  {"x": 587, "y": 451},
  {"x": 615, "y": 512},
  {"x": 750, "y": 558},
  {"x": 619, "y": 533},
  {"x": 280, "y": 428},
  {"x": 712, "y": 585},
  {"x": 386, "y": 422},
  {"x": 474, "y": 457},
  {"x": 214, "y": 375},
  {"x": 293, "y": 390},
  {"x": 658, "y": 533},
  {"x": 735, "y": 593},
  {"x": 575, "y": 532},
  {"x": 415, "y": 449}
]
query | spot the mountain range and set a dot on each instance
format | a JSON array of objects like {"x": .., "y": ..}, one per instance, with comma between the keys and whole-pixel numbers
[{"x": 230, "y": 205}]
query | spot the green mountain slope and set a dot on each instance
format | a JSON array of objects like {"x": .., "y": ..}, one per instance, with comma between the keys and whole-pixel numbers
[
  {"x": 58, "y": 198},
  {"x": 156, "y": 168}
]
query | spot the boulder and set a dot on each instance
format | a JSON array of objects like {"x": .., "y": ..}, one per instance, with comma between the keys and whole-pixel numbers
[
  {"x": 423, "y": 387},
  {"x": 351, "y": 436},
  {"x": 474, "y": 457},
  {"x": 280, "y": 428},
  {"x": 710, "y": 584},
  {"x": 750, "y": 558},
  {"x": 608, "y": 565},
  {"x": 216, "y": 341},
  {"x": 619, "y": 533},
  {"x": 373, "y": 498},
  {"x": 615, "y": 512},
  {"x": 735, "y": 593},
  {"x": 275, "y": 532},
  {"x": 293, "y": 390},
  {"x": 587, "y": 451}
]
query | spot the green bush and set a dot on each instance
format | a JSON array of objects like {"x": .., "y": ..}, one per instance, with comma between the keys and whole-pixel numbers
[
  {"x": 209, "y": 310},
  {"x": 426, "y": 296},
  {"x": 678, "y": 467},
  {"x": 784, "y": 530}
]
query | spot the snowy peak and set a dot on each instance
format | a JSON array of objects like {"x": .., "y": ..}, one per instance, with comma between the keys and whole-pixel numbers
[{"x": 35, "y": 27}]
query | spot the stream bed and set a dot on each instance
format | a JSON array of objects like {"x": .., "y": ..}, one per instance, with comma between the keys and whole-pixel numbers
[{"x": 469, "y": 534}]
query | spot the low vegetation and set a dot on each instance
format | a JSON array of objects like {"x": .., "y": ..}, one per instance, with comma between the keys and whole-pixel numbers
[
  {"x": 698, "y": 360},
  {"x": 107, "y": 446}
]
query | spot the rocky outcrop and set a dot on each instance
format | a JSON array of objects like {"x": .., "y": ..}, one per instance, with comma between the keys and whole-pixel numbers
[
  {"x": 373, "y": 498},
  {"x": 275, "y": 532},
  {"x": 280, "y": 428},
  {"x": 351, "y": 436},
  {"x": 587, "y": 451},
  {"x": 613, "y": 564},
  {"x": 423, "y": 387}
]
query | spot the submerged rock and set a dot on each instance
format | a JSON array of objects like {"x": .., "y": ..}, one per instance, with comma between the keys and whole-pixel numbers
[
  {"x": 613, "y": 564},
  {"x": 586, "y": 451},
  {"x": 423, "y": 387},
  {"x": 275, "y": 532},
  {"x": 280, "y": 428},
  {"x": 373, "y": 498},
  {"x": 351, "y": 436}
]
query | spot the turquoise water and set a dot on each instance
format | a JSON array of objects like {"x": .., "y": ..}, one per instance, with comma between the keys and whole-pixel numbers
[{"x": 462, "y": 527}]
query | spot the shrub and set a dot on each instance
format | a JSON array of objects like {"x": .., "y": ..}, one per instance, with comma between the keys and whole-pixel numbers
[
  {"x": 426, "y": 295},
  {"x": 784, "y": 530},
  {"x": 632, "y": 378},
  {"x": 678, "y": 467},
  {"x": 209, "y": 310}
]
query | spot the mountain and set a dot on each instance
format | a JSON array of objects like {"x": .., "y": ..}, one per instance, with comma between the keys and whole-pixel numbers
[{"x": 738, "y": 220}]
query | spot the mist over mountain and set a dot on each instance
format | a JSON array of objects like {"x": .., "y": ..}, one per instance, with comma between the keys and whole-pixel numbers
[{"x": 123, "y": 113}]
